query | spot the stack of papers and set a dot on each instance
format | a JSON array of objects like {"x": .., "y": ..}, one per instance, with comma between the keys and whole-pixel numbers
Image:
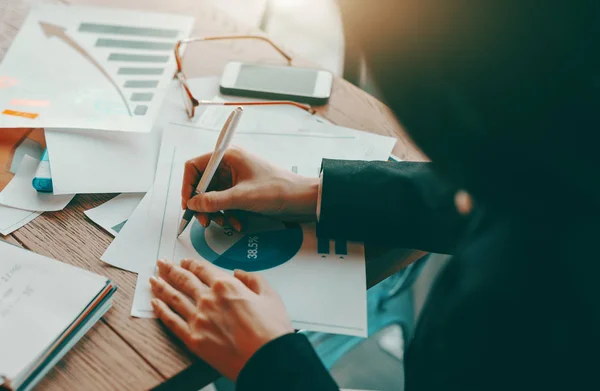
[
  {"x": 294, "y": 258},
  {"x": 45, "y": 307}
]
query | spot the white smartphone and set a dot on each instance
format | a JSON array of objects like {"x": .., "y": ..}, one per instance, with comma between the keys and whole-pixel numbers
[{"x": 312, "y": 86}]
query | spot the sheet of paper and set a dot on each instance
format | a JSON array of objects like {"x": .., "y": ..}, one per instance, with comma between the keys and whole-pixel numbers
[
  {"x": 104, "y": 69},
  {"x": 131, "y": 248},
  {"x": 102, "y": 162},
  {"x": 288, "y": 255},
  {"x": 19, "y": 193},
  {"x": 113, "y": 214},
  {"x": 12, "y": 219},
  {"x": 33, "y": 287}
]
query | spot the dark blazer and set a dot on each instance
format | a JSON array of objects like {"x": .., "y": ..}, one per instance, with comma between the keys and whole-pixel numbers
[{"x": 511, "y": 310}]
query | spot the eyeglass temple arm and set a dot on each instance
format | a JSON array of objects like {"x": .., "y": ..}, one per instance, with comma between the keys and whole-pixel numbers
[
  {"x": 218, "y": 38},
  {"x": 257, "y": 103}
]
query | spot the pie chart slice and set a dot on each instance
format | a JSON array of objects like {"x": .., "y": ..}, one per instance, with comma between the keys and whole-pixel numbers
[{"x": 255, "y": 251}]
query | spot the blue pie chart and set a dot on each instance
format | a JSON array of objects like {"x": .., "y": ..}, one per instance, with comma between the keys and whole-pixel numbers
[{"x": 265, "y": 244}]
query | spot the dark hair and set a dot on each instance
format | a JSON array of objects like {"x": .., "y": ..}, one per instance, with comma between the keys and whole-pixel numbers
[{"x": 502, "y": 95}]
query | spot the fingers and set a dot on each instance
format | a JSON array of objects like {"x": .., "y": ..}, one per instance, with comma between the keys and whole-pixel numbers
[
  {"x": 191, "y": 176},
  {"x": 205, "y": 271},
  {"x": 254, "y": 281},
  {"x": 173, "y": 321},
  {"x": 215, "y": 201},
  {"x": 233, "y": 218},
  {"x": 181, "y": 279},
  {"x": 217, "y": 217},
  {"x": 172, "y": 297},
  {"x": 230, "y": 218},
  {"x": 203, "y": 219}
]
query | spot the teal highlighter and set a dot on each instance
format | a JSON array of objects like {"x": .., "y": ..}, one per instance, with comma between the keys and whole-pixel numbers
[{"x": 42, "y": 181}]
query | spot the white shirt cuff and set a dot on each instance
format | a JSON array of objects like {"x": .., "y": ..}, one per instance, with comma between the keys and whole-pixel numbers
[{"x": 319, "y": 196}]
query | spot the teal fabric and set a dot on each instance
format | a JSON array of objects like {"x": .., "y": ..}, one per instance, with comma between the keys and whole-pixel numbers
[{"x": 389, "y": 302}]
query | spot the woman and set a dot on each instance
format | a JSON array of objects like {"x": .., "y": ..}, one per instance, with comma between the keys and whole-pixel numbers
[{"x": 502, "y": 96}]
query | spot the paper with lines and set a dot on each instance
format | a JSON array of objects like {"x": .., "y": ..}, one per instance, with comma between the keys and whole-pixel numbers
[{"x": 103, "y": 69}]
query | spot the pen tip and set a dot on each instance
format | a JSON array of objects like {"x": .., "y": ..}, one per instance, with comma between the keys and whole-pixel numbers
[{"x": 182, "y": 227}]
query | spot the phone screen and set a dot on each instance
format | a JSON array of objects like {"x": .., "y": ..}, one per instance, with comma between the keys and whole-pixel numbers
[{"x": 283, "y": 80}]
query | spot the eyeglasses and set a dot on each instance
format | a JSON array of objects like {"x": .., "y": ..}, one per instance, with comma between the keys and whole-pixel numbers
[{"x": 188, "y": 98}]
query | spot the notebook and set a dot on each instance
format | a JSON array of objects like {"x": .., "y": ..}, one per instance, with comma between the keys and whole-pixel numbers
[{"x": 46, "y": 306}]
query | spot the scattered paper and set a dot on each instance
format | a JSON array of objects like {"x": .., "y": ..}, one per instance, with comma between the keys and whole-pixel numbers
[
  {"x": 104, "y": 69},
  {"x": 85, "y": 162},
  {"x": 113, "y": 214},
  {"x": 15, "y": 144},
  {"x": 19, "y": 193},
  {"x": 12, "y": 219},
  {"x": 130, "y": 248}
]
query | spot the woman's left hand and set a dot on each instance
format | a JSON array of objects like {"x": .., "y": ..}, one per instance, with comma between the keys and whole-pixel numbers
[{"x": 222, "y": 318}]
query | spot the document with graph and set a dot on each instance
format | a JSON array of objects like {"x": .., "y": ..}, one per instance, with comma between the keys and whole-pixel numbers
[
  {"x": 89, "y": 68},
  {"x": 321, "y": 282}
]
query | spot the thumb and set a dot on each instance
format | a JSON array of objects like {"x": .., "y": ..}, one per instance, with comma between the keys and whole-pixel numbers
[
  {"x": 215, "y": 201},
  {"x": 254, "y": 281}
]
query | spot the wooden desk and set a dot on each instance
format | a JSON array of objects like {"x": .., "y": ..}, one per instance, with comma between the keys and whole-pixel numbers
[{"x": 123, "y": 353}]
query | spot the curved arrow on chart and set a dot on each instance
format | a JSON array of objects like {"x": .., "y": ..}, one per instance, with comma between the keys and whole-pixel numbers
[{"x": 52, "y": 30}]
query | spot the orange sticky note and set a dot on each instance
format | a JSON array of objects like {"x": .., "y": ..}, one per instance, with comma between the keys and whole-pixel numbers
[{"x": 20, "y": 114}]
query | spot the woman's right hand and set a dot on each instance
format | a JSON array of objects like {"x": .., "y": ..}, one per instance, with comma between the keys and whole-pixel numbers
[{"x": 246, "y": 182}]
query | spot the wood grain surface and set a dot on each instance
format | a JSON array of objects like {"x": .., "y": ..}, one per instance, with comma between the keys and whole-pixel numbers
[{"x": 122, "y": 353}]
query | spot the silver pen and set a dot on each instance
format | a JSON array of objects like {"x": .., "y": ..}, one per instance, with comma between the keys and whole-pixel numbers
[{"x": 211, "y": 168}]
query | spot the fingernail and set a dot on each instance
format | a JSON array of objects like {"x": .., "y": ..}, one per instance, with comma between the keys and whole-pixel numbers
[
  {"x": 153, "y": 280},
  {"x": 154, "y": 302},
  {"x": 236, "y": 225},
  {"x": 205, "y": 222}
]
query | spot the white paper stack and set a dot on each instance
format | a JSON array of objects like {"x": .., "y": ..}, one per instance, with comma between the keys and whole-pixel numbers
[
  {"x": 46, "y": 306},
  {"x": 299, "y": 145}
]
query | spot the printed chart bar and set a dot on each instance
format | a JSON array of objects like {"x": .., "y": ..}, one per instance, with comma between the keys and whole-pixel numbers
[
  {"x": 140, "y": 110},
  {"x": 127, "y": 30},
  {"x": 20, "y": 114},
  {"x": 125, "y": 44},
  {"x": 140, "y": 71},
  {"x": 141, "y": 84},
  {"x": 341, "y": 247},
  {"x": 117, "y": 228},
  {"x": 323, "y": 246},
  {"x": 141, "y": 97},
  {"x": 136, "y": 58}
]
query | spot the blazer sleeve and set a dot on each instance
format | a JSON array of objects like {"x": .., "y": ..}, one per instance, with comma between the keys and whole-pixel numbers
[
  {"x": 399, "y": 203},
  {"x": 286, "y": 363}
]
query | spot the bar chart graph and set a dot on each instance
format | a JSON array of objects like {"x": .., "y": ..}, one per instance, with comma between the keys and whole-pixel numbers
[{"x": 140, "y": 54}]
